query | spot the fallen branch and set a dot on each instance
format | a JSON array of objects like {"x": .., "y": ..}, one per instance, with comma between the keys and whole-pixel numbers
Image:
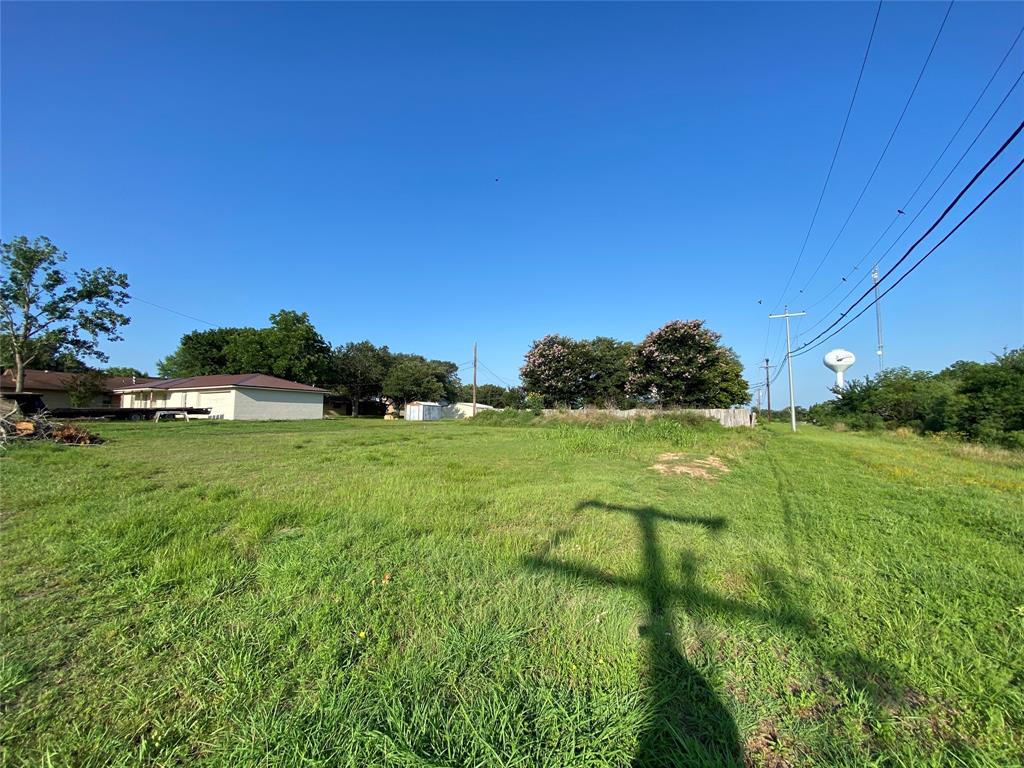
[{"x": 39, "y": 427}]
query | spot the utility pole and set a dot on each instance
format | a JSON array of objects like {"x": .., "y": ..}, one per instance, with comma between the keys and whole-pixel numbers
[
  {"x": 474, "y": 378},
  {"x": 768, "y": 386},
  {"x": 878, "y": 317},
  {"x": 789, "y": 361}
]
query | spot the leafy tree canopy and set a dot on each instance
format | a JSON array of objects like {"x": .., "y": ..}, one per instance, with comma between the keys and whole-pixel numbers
[
  {"x": 290, "y": 348},
  {"x": 45, "y": 311},
  {"x": 981, "y": 402},
  {"x": 559, "y": 369},
  {"x": 125, "y": 371},
  {"x": 683, "y": 364},
  {"x": 359, "y": 371}
]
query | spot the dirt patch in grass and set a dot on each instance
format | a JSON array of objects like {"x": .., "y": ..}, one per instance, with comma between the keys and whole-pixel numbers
[
  {"x": 763, "y": 748},
  {"x": 709, "y": 468}
]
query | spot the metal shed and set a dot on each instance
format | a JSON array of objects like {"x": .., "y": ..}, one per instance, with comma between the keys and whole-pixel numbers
[{"x": 419, "y": 410}]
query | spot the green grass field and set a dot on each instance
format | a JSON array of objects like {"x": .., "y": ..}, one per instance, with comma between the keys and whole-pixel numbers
[{"x": 368, "y": 593}]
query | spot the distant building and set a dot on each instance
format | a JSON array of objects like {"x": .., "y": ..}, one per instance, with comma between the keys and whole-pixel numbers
[
  {"x": 244, "y": 396},
  {"x": 54, "y": 386},
  {"x": 463, "y": 410},
  {"x": 421, "y": 410}
]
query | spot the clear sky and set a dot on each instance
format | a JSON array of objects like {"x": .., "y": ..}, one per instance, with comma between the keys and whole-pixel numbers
[{"x": 426, "y": 176}]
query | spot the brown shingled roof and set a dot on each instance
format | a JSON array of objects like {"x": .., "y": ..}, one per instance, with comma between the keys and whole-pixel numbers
[
  {"x": 250, "y": 380},
  {"x": 59, "y": 381}
]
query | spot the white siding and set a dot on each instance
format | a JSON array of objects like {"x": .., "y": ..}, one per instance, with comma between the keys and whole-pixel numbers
[
  {"x": 276, "y": 405},
  {"x": 221, "y": 402},
  {"x": 422, "y": 412},
  {"x": 463, "y": 410}
]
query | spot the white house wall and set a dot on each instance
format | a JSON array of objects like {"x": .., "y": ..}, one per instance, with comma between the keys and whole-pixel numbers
[
  {"x": 221, "y": 402},
  {"x": 276, "y": 405}
]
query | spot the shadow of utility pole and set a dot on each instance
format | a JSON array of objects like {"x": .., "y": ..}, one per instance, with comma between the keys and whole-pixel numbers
[{"x": 688, "y": 723}]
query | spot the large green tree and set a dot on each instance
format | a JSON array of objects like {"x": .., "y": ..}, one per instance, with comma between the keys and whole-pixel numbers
[
  {"x": 124, "y": 371},
  {"x": 44, "y": 309},
  {"x": 290, "y": 348},
  {"x": 45, "y": 356},
  {"x": 200, "y": 353},
  {"x": 486, "y": 394},
  {"x": 412, "y": 377},
  {"x": 359, "y": 371},
  {"x": 607, "y": 383},
  {"x": 683, "y": 364},
  {"x": 296, "y": 349}
]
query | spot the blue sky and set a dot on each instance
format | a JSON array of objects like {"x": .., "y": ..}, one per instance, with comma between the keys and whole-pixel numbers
[{"x": 426, "y": 176}]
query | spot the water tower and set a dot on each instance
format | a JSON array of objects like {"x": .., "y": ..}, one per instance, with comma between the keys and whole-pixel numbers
[{"x": 839, "y": 360}]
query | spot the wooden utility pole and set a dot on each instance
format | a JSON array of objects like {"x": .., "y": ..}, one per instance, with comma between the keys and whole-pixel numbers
[
  {"x": 786, "y": 315},
  {"x": 768, "y": 386},
  {"x": 474, "y": 378}
]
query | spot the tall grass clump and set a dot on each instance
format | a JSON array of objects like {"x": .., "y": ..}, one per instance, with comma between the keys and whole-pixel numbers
[
  {"x": 505, "y": 418},
  {"x": 637, "y": 438},
  {"x": 591, "y": 432}
]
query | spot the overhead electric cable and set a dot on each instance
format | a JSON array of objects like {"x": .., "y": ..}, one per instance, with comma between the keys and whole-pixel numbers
[
  {"x": 930, "y": 229},
  {"x": 173, "y": 311},
  {"x": 885, "y": 150},
  {"x": 921, "y": 210},
  {"x": 835, "y": 154},
  {"x": 804, "y": 349},
  {"x": 934, "y": 165}
]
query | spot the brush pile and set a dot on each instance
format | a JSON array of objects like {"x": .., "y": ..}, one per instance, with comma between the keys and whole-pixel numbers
[{"x": 17, "y": 428}]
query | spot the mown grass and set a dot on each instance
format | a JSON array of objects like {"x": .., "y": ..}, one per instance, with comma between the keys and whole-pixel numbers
[{"x": 362, "y": 593}]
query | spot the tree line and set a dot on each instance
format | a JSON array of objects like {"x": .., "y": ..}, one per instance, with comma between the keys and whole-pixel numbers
[
  {"x": 292, "y": 348},
  {"x": 52, "y": 319},
  {"x": 682, "y": 364},
  {"x": 980, "y": 402}
]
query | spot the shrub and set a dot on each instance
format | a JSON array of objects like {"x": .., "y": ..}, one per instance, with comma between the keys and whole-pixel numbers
[{"x": 980, "y": 402}]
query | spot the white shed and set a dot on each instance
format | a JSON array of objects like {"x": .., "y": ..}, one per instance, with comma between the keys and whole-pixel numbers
[
  {"x": 420, "y": 410},
  {"x": 245, "y": 396},
  {"x": 463, "y": 410}
]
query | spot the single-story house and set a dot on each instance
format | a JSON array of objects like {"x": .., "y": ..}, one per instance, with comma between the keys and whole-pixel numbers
[
  {"x": 54, "y": 386},
  {"x": 244, "y": 396}
]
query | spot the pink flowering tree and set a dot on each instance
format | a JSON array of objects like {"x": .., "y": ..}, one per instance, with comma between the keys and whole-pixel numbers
[
  {"x": 683, "y": 364},
  {"x": 560, "y": 370}
]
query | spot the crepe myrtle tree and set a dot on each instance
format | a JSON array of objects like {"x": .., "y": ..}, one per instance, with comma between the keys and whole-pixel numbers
[
  {"x": 44, "y": 307},
  {"x": 683, "y": 364},
  {"x": 559, "y": 369}
]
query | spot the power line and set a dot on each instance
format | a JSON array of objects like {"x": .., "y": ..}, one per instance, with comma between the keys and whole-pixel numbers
[
  {"x": 885, "y": 149},
  {"x": 920, "y": 261},
  {"x": 835, "y": 154},
  {"x": 507, "y": 385},
  {"x": 917, "y": 215},
  {"x": 934, "y": 165},
  {"x": 930, "y": 229},
  {"x": 173, "y": 311}
]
